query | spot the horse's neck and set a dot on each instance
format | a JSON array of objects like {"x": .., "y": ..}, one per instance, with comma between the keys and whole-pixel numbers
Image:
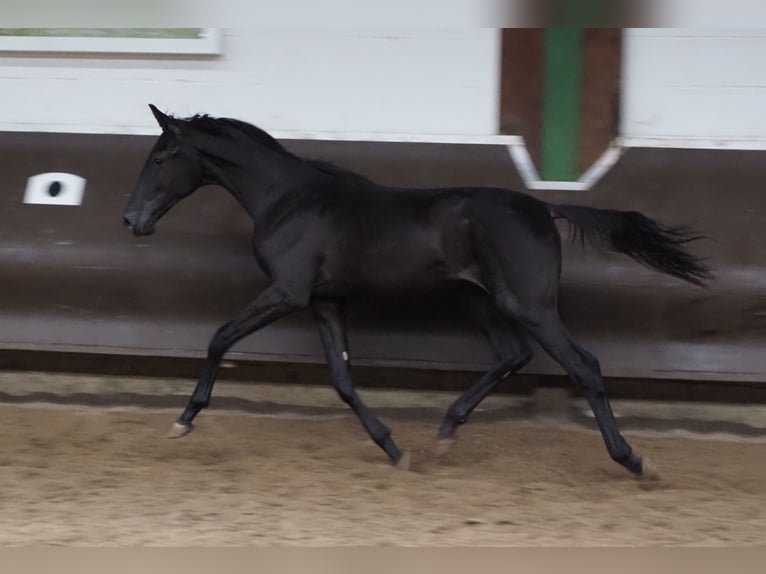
[{"x": 257, "y": 177}]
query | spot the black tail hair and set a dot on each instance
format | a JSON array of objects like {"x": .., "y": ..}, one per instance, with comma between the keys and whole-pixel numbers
[{"x": 650, "y": 243}]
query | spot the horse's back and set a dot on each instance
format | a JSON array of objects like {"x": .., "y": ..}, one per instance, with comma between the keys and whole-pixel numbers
[{"x": 390, "y": 239}]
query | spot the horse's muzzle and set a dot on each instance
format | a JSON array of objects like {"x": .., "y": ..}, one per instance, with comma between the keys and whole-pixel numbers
[{"x": 129, "y": 221}]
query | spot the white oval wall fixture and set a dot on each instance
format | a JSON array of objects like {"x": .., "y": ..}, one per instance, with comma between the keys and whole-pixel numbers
[{"x": 55, "y": 188}]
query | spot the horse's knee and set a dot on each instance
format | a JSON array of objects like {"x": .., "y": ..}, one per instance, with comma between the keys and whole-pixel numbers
[
  {"x": 291, "y": 299},
  {"x": 510, "y": 362},
  {"x": 523, "y": 358}
]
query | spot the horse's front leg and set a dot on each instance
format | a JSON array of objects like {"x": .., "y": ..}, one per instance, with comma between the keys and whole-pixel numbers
[
  {"x": 273, "y": 303},
  {"x": 332, "y": 330}
]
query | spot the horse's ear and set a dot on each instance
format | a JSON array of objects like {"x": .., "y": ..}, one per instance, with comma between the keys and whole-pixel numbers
[{"x": 164, "y": 120}]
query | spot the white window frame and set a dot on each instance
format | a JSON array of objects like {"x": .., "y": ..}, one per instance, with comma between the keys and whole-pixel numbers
[{"x": 208, "y": 44}]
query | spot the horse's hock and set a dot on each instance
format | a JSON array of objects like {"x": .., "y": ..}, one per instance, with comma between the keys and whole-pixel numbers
[{"x": 75, "y": 281}]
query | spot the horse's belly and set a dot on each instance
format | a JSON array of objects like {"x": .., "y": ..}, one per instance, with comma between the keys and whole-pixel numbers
[
  {"x": 390, "y": 272},
  {"x": 410, "y": 258},
  {"x": 403, "y": 272}
]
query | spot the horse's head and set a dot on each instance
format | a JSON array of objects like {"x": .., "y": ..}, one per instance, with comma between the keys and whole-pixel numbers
[{"x": 172, "y": 171}]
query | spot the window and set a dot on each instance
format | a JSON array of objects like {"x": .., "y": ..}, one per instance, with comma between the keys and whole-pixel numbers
[{"x": 151, "y": 41}]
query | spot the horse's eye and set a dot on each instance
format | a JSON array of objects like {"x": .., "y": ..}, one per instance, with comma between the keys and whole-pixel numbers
[{"x": 157, "y": 160}]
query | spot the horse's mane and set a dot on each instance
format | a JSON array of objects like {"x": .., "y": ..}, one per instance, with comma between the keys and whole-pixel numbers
[{"x": 230, "y": 126}]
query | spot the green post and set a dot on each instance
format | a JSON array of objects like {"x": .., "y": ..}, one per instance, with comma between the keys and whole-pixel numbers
[{"x": 561, "y": 103}]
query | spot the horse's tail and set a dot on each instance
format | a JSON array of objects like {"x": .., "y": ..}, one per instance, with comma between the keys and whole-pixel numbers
[{"x": 652, "y": 244}]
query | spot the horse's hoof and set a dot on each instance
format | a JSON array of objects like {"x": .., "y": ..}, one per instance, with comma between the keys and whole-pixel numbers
[
  {"x": 443, "y": 446},
  {"x": 178, "y": 430},
  {"x": 649, "y": 472},
  {"x": 404, "y": 461}
]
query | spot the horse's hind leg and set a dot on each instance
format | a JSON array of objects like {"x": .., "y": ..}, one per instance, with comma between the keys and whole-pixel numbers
[
  {"x": 545, "y": 325},
  {"x": 520, "y": 265},
  {"x": 332, "y": 331},
  {"x": 512, "y": 352}
]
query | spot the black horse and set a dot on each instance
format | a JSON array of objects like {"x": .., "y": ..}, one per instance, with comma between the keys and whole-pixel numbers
[{"x": 324, "y": 235}]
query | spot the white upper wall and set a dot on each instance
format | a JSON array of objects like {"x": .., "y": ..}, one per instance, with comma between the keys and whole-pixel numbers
[
  {"x": 681, "y": 87},
  {"x": 294, "y": 83},
  {"x": 695, "y": 87}
]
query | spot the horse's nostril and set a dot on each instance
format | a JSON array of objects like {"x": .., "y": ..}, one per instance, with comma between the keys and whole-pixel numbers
[{"x": 126, "y": 222}]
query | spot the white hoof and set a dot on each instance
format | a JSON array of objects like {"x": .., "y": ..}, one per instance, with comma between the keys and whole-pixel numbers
[
  {"x": 178, "y": 430},
  {"x": 649, "y": 471},
  {"x": 443, "y": 446},
  {"x": 404, "y": 461}
]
